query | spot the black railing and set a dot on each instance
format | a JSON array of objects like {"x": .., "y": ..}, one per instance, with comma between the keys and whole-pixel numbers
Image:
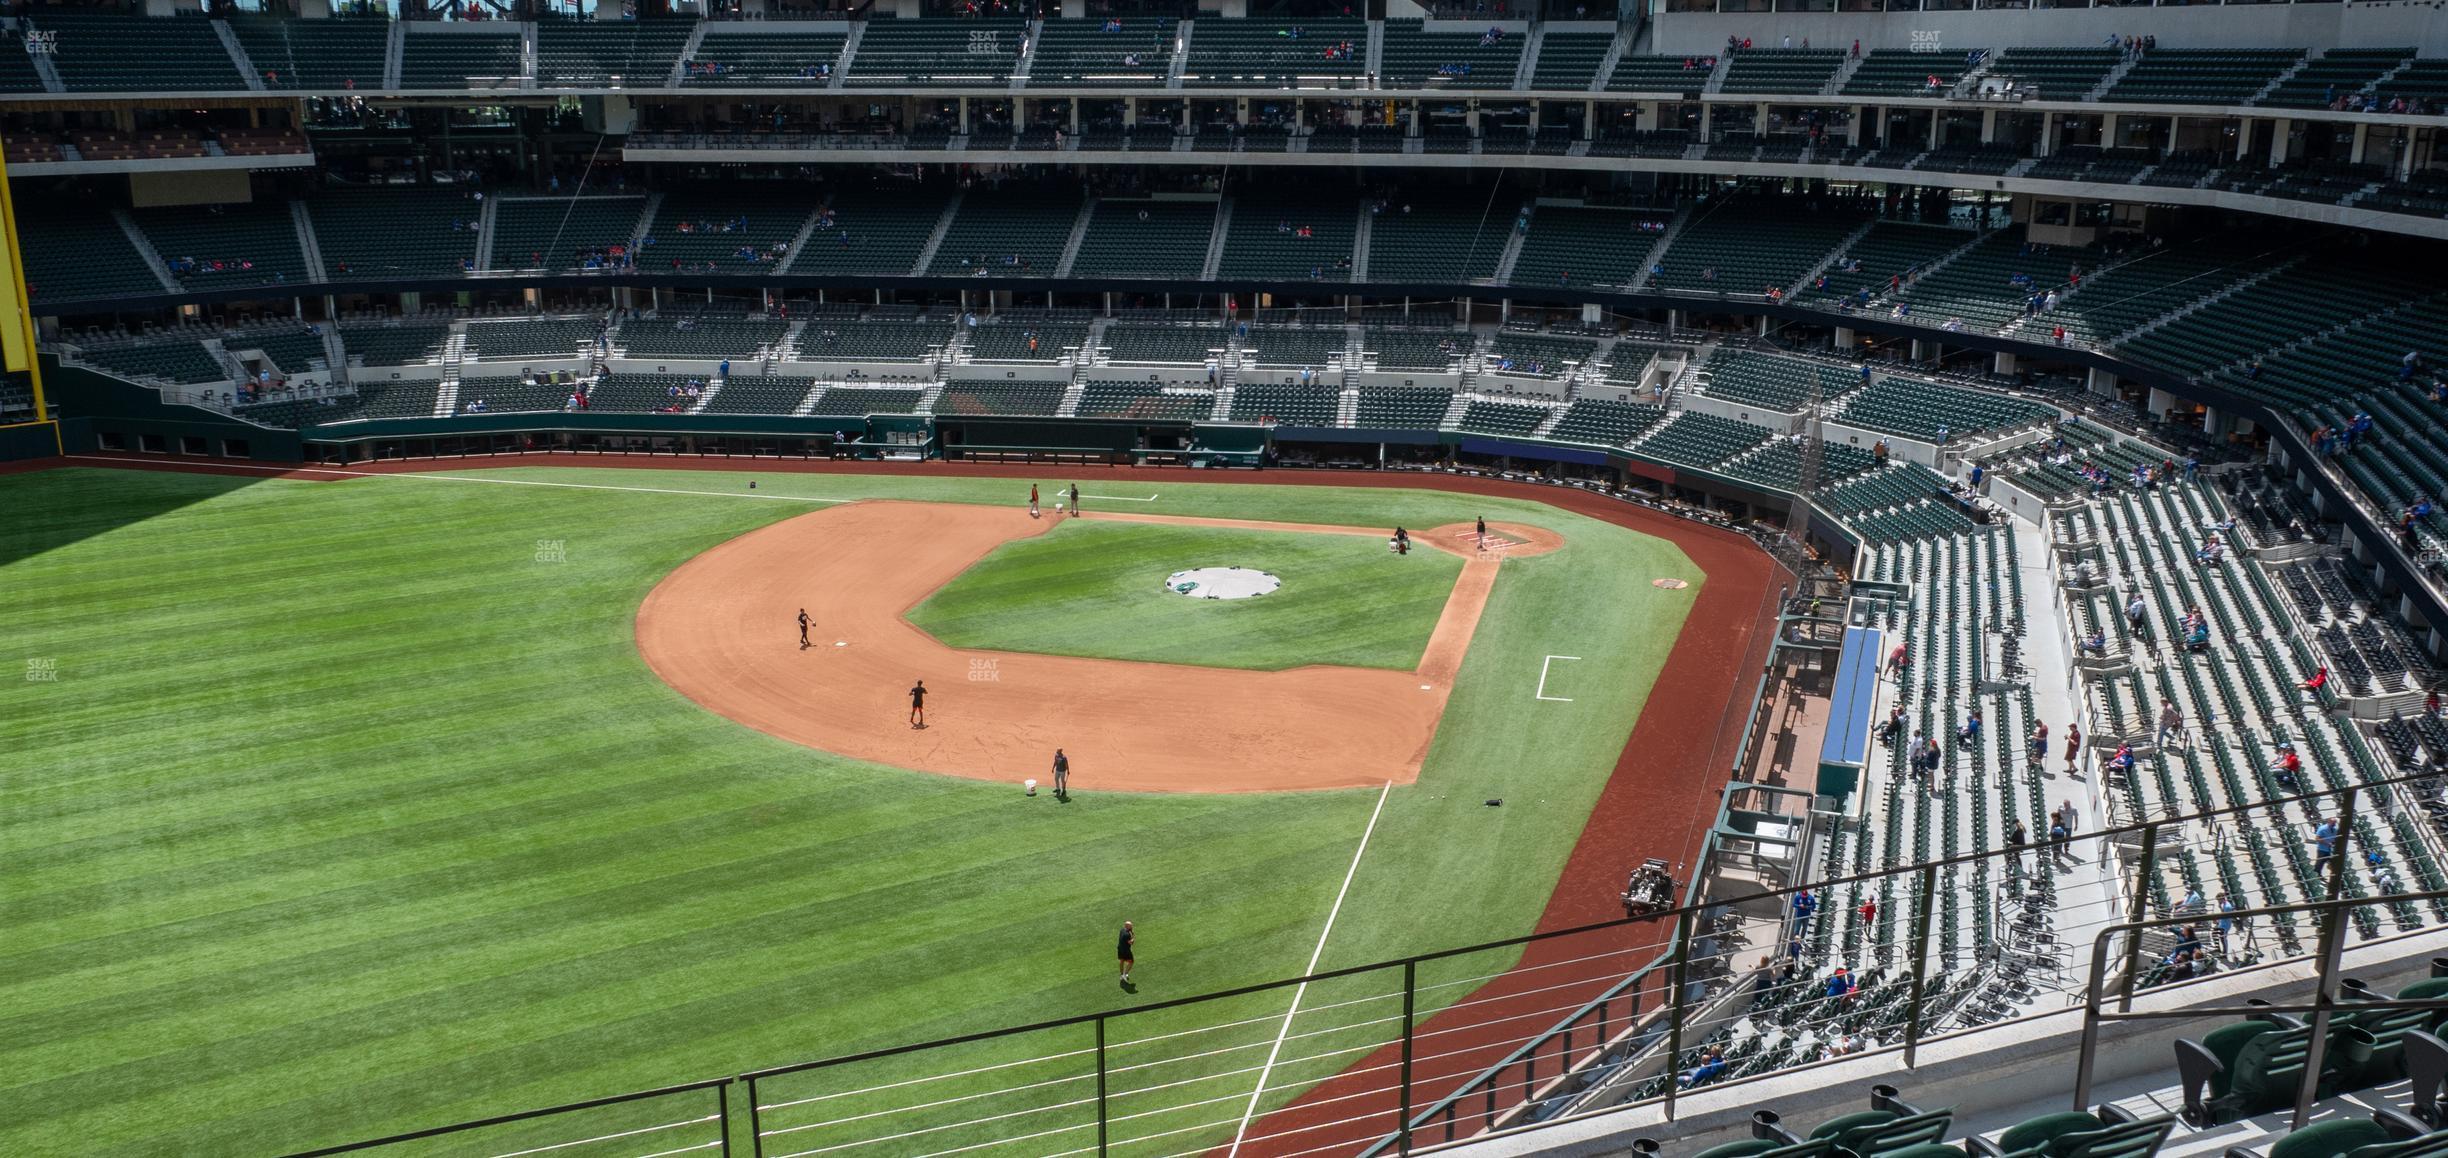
[{"x": 1389, "y": 1082}]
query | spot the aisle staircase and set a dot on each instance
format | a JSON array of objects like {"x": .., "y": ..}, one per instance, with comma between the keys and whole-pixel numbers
[
  {"x": 1453, "y": 409},
  {"x": 484, "y": 232},
  {"x": 1079, "y": 232},
  {"x": 1360, "y": 243},
  {"x": 850, "y": 47},
  {"x": 1513, "y": 247},
  {"x": 308, "y": 247},
  {"x": 1215, "y": 239},
  {"x": 943, "y": 225},
  {"x": 144, "y": 247}
]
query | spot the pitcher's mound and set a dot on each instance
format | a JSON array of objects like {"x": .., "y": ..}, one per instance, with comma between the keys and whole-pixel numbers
[
  {"x": 1508, "y": 539},
  {"x": 1221, "y": 583}
]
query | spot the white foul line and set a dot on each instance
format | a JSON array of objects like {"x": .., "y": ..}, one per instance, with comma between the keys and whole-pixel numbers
[
  {"x": 1314, "y": 956},
  {"x": 1542, "y": 688},
  {"x": 508, "y": 482},
  {"x": 1119, "y": 498}
]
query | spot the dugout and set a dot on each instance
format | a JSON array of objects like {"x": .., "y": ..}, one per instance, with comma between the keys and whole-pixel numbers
[{"x": 993, "y": 438}]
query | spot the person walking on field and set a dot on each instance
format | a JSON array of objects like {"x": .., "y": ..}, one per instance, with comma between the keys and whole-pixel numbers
[
  {"x": 1123, "y": 948},
  {"x": 1062, "y": 775},
  {"x": 803, "y": 626},
  {"x": 1032, "y": 500},
  {"x": 918, "y": 704},
  {"x": 1075, "y": 500},
  {"x": 1483, "y": 533}
]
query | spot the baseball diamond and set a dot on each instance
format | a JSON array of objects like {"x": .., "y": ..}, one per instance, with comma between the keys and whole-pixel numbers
[{"x": 1153, "y": 579}]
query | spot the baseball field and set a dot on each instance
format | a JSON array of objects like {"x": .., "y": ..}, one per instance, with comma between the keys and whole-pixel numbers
[{"x": 334, "y": 806}]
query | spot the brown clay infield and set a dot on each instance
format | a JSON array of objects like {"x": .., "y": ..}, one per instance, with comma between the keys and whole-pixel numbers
[{"x": 722, "y": 630}]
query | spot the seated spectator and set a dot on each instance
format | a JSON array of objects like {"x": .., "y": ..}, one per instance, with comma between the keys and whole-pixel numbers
[
  {"x": 2289, "y": 769},
  {"x": 1712, "y": 1066}
]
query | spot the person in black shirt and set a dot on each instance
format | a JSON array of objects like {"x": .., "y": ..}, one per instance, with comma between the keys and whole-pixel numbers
[
  {"x": 1483, "y": 534},
  {"x": 918, "y": 704},
  {"x": 1075, "y": 500},
  {"x": 1062, "y": 775},
  {"x": 1122, "y": 949},
  {"x": 803, "y": 626}
]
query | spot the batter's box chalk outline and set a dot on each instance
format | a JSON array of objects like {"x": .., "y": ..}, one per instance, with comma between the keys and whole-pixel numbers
[{"x": 1542, "y": 684}]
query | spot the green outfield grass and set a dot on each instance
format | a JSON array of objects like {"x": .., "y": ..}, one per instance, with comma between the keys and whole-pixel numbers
[
  {"x": 1097, "y": 589},
  {"x": 347, "y": 808}
]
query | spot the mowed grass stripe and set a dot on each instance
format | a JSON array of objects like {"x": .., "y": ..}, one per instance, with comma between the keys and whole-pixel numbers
[
  {"x": 400, "y": 843},
  {"x": 656, "y": 911},
  {"x": 619, "y": 984},
  {"x": 1098, "y": 589}
]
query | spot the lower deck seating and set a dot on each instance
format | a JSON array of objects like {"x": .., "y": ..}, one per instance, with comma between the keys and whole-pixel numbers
[
  {"x": 1701, "y": 440},
  {"x": 1603, "y": 423},
  {"x": 535, "y": 338},
  {"x": 761, "y": 395},
  {"x": 989, "y": 397},
  {"x": 182, "y": 360},
  {"x": 1419, "y": 408},
  {"x": 1935, "y": 413},
  {"x": 1145, "y": 401},
  {"x": 853, "y": 400},
  {"x": 1286, "y": 405}
]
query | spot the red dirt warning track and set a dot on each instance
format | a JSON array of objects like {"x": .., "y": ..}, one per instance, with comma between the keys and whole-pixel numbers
[{"x": 722, "y": 630}]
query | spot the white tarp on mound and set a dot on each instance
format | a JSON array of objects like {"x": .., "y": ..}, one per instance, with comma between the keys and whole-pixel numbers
[{"x": 1221, "y": 583}]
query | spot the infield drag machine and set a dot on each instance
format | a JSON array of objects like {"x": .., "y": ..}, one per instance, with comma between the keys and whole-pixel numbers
[{"x": 1650, "y": 891}]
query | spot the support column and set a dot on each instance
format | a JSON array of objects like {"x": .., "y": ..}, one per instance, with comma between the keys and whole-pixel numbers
[
  {"x": 1845, "y": 338},
  {"x": 2108, "y": 131},
  {"x": 1241, "y": 111},
  {"x": 1075, "y": 106},
  {"x": 1923, "y": 351},
  {"x": 2048, "y": 134},
  {"x": 2278, "y": 140},
  {"x": 2160, "y": 401},
  {"x": 2362, "y": 141},
  {"x": 2244, "y": 132},
  {"x": 1759, "y": 119},
  {"x": 1763, "y": 325},
  {"x": 964, "y": 116},
  {"x": 1470, "y": 117},
  {"x": 1707, "y": 119},
  {"x": 1936, "y": 119},
  {"x": 2004, "y": 365},
  {"x": 1988, "y": 126},
  {"x": 1589, "y": 120},
  {"x": 1853, "y": 127}
]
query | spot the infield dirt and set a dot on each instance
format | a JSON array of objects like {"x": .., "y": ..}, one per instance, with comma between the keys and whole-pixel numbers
[{"x": 722, "y": 630}]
